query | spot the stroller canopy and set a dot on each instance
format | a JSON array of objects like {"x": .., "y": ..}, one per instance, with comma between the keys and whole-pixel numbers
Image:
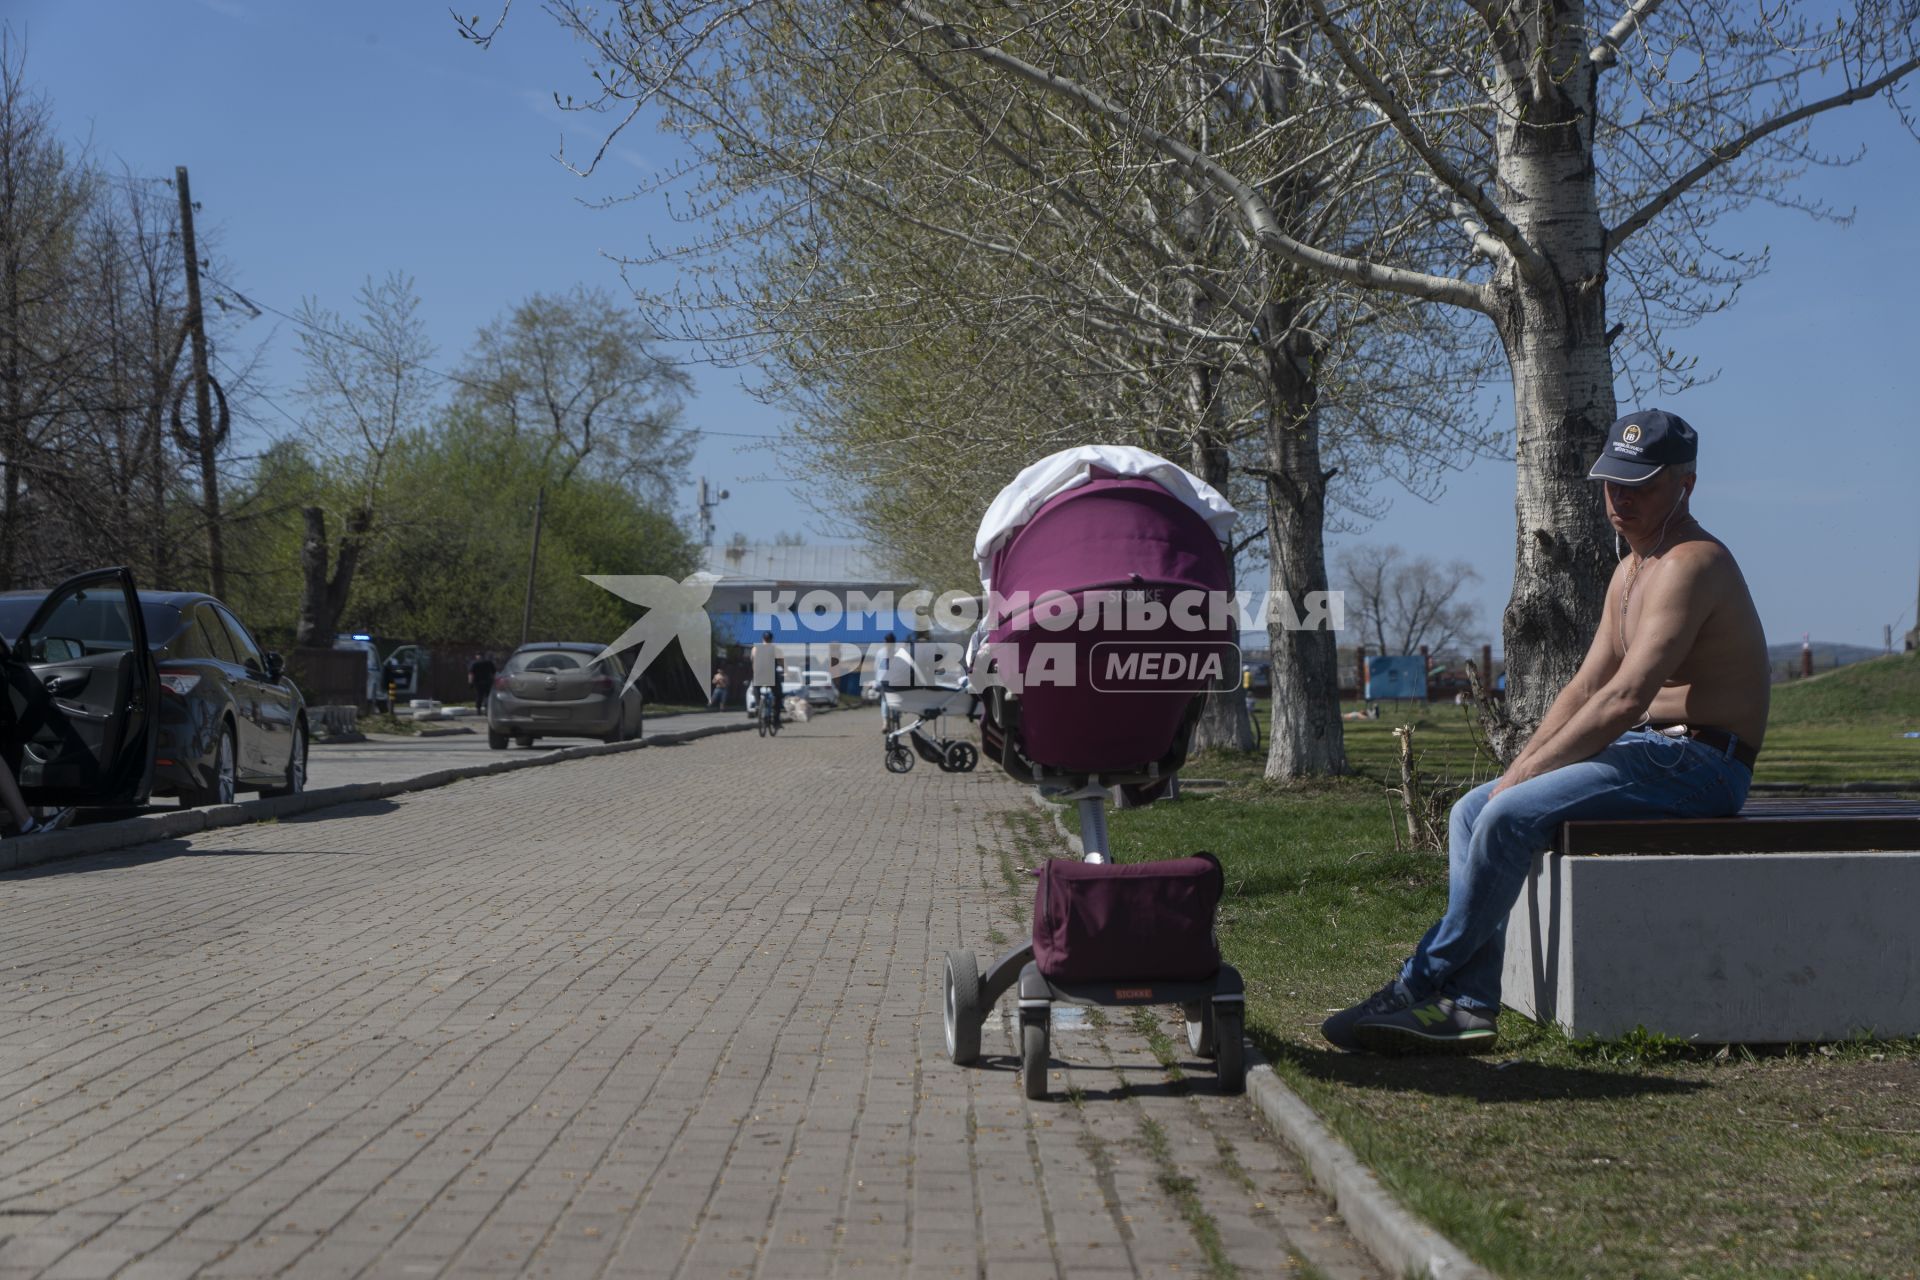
[
  {"x": 1111, "y": 532},
  {"x": 1072, "y": 468}
]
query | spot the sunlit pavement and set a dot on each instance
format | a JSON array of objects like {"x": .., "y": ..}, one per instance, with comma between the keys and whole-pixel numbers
[
  {"x": 667, "y": 1012},
  {"x": 454, "y": 743}
]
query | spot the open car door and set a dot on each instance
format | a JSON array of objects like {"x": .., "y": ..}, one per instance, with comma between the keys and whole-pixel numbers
[{"x": 82, "y": 716}]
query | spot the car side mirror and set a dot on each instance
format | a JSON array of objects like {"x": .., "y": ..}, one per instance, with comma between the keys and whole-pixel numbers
[
  {"x": 60, "y": 649},
  {"x": 275, "y": 665}
]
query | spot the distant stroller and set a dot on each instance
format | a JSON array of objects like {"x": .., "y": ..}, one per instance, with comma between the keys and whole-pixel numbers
[
  {"x": 929, "y": 705},
  {"x": 1099, "y": 529}
]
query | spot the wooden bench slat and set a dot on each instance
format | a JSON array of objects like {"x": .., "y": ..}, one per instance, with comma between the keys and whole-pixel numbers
[
  {"x": 1748, "y": 833},
  {"x": 1840, "y": 805}
]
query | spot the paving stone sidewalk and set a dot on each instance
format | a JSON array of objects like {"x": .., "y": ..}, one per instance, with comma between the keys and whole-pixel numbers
[{"x": 674, "y": 1012}]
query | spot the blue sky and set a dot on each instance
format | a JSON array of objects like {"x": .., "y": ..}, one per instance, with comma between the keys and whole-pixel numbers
[{"x": 331, "y": 142}]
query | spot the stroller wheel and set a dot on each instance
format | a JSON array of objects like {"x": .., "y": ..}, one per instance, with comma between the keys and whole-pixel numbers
[
  {"x": 1033, "y": 1056},
  {"x": 1200, "y": 1029},
  {"x": 1231, "y": 1046},
  {"x": 961, "y": 758},
  {"x": 962, "y": 999},
  {"x": 899, "y": 759}
]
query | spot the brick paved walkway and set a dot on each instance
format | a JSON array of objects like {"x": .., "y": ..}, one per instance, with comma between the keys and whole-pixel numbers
[{"x": 668, "y": 1013}]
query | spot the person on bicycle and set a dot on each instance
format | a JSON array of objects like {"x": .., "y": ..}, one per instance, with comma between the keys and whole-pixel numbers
[
  {"x": 883, "y": 677},
  {"x": 768, "y": 671}
]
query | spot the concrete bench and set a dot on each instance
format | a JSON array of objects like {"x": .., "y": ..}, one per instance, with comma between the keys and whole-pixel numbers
[{"x": 1793, "y": 921}]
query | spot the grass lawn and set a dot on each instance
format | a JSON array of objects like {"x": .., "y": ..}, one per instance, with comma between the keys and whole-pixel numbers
[
  {"x": 1840, "y": 726},
  {"x": 1636, "y": 1158}
]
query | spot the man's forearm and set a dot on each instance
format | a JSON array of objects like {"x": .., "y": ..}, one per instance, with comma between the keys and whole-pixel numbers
[
  {"x": 1592, "y": 725},
  {"x": 1564, "y": 706}
]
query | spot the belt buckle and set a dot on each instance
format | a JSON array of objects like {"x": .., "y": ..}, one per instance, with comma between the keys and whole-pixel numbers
[{"x": 1676, "y": 731}]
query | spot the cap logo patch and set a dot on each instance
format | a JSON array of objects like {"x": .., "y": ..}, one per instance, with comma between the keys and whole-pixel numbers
[{"x": 1632, "y": 433}]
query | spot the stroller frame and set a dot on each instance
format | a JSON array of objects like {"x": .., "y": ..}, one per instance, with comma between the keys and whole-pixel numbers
[
  {"x": 1133, "y": 528},
  {"x": 1215, "y": 1009},
  {"x": 926, "y": 734}
]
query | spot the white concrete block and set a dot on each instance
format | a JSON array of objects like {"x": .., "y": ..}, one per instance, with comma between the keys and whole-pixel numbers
[{"x": 1728, "y": 948}]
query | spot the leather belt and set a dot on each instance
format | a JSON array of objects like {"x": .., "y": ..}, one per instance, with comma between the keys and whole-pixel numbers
[{"x": 1714, "y": 739}]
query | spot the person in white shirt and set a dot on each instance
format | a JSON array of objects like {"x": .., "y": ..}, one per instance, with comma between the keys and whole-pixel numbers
[
  {"x": 883, "y": 674},
  {"x": 769, "y": 671}
]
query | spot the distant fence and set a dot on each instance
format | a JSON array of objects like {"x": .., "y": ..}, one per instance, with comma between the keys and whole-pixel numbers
[{"x": 330, "y": 676}]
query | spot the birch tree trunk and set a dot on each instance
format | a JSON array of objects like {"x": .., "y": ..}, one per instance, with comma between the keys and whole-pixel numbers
[
  {"x": 1554, "y": 330},
  {"x": 1307, "y": 737},
  {"x": 1223, "y": 723}
]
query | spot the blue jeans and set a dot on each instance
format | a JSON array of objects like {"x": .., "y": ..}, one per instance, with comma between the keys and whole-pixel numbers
[{"x": 1492, "y": 842}]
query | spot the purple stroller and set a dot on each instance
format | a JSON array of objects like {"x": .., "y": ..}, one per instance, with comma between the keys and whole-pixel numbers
[{"x": 1116, "y": 555}]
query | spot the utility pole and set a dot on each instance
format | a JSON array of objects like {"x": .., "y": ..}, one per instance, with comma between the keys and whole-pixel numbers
[
  {"x": 1913, "y": 636},
  {"x": 709, "y": 499},
  {"x": 207, "y": 442},
  {"x": 533, "y": 562}
]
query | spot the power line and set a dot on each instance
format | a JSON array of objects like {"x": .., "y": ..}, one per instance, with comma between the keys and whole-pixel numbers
[
  {"x": 481, "y": 388},
  {"x": 255, "y": 390}
]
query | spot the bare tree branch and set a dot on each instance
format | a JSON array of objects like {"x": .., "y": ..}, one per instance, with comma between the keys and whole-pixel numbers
[
  {"x": 1722, "y": 153},
  {"x": 1498, "y": 225},
  {"x": 1607, "y": 52},
  {"x": 1259, "y": 215}
]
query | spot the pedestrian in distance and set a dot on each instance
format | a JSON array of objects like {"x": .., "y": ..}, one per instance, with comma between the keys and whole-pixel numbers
[
  {"x": 883, "y": 674},
  {"x": 769, "y": 671},
  {"x": 718, "y": 698},
  {"x": 480, "y": 676}
]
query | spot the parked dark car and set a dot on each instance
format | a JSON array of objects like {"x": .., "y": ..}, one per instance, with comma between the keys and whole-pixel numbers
[
  {"x": 118, "y": 694},
  {"x": 556, "y": 689}
]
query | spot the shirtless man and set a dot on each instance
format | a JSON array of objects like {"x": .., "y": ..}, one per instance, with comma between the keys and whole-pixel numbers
[{"x": 1663, "y": 719}]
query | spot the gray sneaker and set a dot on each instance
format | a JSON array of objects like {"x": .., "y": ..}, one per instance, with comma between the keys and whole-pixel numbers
[
  {"x": 1435, "y": 1025},
  {"x": 49, "y": 820},
  {"x": 1389, "y": 999}
]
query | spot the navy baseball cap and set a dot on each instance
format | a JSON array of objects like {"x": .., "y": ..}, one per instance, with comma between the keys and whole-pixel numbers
[{"x": 1640, "y": 444}]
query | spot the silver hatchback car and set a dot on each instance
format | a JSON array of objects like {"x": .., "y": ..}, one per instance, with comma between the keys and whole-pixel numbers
[{"x": 555, "y": 689}]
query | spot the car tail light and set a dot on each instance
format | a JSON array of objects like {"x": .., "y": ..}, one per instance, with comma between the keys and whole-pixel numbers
[
  {"x": 602, "y": 684},
  {"x": 502, "y": 682},
  {"x": 178, "y": 682}
]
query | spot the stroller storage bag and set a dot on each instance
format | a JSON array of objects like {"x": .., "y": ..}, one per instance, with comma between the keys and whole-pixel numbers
[{"x": 1148, "y": 921}]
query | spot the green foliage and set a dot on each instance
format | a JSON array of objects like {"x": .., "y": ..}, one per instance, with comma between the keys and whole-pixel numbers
[
  {"x": 449, "y": 564},
  {"x": 263, "y": 540},
  {"x": 575, "y": 374},
  {"x": 453, "y": 564}
]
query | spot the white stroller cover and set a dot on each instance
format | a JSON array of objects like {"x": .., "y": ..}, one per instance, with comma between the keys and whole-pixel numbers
[{"x": 1069, "y": 469}]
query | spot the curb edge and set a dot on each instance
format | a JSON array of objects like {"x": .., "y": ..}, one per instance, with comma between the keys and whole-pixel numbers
[{"x": 1402, "y": 1243}]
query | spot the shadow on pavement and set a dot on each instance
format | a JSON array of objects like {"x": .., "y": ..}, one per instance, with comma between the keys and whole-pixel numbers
[
  {"x": 162, "y": 848},
  {"x": 1510, "y": 1080},
  {"x": 1160, "y": 1087}
]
